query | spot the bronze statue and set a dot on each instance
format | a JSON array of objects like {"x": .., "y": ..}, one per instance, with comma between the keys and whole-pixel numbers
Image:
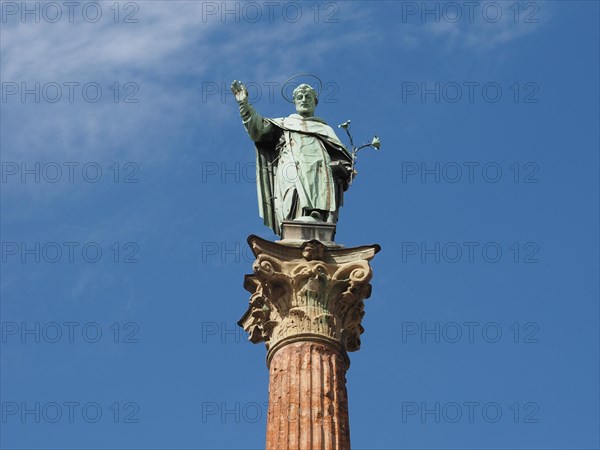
[{"x": 302, "y": 168}]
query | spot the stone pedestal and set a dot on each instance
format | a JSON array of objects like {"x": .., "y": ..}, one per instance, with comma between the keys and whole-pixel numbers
[
  {"x": 295, "y": 230},
  {"x": 307, "y": 306}
]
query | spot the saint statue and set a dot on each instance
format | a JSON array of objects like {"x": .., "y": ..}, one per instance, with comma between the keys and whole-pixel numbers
[{"x": 302, "y": 168}]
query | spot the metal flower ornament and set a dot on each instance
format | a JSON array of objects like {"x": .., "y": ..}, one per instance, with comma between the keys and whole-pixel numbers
[{"x": 375, "y": 143}]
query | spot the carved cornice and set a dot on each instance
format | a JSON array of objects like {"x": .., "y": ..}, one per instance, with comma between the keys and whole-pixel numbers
[{"x": 308, "y": 291}]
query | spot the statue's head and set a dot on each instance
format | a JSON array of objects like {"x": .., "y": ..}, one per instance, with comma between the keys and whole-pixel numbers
[{"x": 305, "y": 99}]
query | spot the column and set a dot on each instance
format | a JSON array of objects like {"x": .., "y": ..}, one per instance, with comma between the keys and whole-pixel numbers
[{"x": 307, "y": 305}]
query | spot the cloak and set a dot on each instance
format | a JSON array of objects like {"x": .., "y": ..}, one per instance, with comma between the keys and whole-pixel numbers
[{"x": 266, "y": 159}]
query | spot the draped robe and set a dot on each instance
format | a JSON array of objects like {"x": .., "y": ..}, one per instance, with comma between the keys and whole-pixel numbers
[{"x": 294, "y": 174}]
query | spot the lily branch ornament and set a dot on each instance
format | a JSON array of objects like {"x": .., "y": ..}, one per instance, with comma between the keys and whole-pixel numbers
[{"x": 375, "y": 143}]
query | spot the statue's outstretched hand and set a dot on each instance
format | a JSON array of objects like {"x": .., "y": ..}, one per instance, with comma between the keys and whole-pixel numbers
[{"x": 239, "y": 90}]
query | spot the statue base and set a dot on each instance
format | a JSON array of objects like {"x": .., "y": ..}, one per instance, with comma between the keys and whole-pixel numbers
[{"x": 299, "y": 231}]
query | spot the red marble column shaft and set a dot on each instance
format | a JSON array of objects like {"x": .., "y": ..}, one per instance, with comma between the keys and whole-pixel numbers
[{"x": 308, "y": 403}]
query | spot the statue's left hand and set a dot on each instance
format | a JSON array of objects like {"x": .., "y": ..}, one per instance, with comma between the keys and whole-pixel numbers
[{"x": 341, "y": 169}]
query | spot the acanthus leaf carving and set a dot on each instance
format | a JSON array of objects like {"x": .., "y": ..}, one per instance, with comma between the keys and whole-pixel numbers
[{"x": 316, "y": 290}]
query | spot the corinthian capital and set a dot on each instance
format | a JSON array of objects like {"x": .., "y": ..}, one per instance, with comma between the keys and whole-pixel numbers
[{"x": 307, "y": 292}]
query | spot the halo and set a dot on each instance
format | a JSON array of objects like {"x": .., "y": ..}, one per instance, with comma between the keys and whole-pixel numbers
[{"x": 285, "y": 85}]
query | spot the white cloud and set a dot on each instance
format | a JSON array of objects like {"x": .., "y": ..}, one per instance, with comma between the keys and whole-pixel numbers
[{"x": 171, "y": 45}]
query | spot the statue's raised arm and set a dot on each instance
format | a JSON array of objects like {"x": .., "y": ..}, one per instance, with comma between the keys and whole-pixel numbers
[{"x": 257, "y": 127}]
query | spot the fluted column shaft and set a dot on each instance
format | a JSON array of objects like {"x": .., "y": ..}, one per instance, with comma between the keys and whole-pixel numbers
[{"x": 308, "y": 403}]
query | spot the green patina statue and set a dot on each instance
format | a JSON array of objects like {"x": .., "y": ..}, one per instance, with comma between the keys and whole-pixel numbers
[{"x": 302, "y": 168}]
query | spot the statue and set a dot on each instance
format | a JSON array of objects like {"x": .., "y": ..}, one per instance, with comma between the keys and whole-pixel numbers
[{"x": 302, "y": 168}]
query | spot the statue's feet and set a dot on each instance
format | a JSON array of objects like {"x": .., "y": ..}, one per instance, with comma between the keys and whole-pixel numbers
[{"x": 316, "y": 215}]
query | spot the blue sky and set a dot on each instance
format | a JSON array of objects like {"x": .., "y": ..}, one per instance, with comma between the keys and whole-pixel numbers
[{"x": 128, "y": 193}]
